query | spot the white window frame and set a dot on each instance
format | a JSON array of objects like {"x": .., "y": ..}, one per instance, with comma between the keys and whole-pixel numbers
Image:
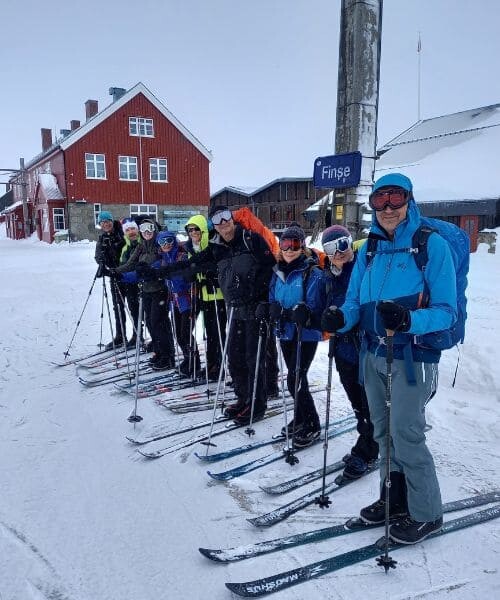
[
  {"x": 93, "y": 160},
  {"x": 144, "y": 210},
  {"x": 128, "y": 163},
  {"x": 97, "y": 210},
  {"x": 141, "y": 127},
  {"x": 58, "y": 212},
  {"x": 161, "y": 167}
]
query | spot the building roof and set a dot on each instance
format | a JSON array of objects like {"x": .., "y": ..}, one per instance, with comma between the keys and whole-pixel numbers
[
  {"x": 252, "y": 191},
  {"x": 452, "y": 157},
  {"x": 97, "y": 119},
  {"x": 49, "y": 186}
]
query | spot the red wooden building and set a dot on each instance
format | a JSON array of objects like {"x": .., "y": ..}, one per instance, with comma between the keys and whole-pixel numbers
[{"x": 132, "y": 158}]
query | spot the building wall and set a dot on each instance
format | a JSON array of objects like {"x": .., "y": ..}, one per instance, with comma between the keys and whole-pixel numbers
[{"x": 188, "y": 175}]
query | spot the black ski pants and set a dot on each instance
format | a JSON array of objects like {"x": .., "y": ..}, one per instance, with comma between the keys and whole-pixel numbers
[
  {"x": 158, "y": 322},
  {"x": 184, "y": 325},
  {"x": 214, "y": 311},
  {"x": 118, "y": 310},
  {"x": 130, "y": 291},
  {"x": 242, "y": 359},
  {"x": 365, "y": 447},
  {"x": 306, "y": 411}
]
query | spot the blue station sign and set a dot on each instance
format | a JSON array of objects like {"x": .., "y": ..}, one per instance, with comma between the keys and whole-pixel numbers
[{"x": 337, "y": 171}]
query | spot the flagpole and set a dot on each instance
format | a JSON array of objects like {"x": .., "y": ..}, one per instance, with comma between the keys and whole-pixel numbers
[{"x": 419, "y": 52}]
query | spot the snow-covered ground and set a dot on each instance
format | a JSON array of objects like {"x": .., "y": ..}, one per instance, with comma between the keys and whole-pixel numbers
[{"x": 84, "y": 517}]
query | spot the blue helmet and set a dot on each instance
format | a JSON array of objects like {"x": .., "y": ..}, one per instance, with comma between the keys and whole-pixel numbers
[{"x": 393, "y": 179}]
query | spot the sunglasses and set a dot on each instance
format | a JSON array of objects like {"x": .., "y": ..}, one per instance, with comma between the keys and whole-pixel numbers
[
  {"x": 291, "y": 244},
  {"x": 341, "y": 244},
  {"x": 165, "y": 241},
  {"x": 394, "y": 198},
  {"x": 191, "y": 229},
  {"x": 146, "y": 227},
  {"x": 223, "y": 215}
]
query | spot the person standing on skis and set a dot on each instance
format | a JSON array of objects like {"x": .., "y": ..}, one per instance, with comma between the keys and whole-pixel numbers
[
  {"x": 341, "y": 257},
  {"x": 385, "y": 298},
  {"x": 107, "y": 256},
  {"x": 244, "y": 265},
  {"x": 296, "y": 300}
]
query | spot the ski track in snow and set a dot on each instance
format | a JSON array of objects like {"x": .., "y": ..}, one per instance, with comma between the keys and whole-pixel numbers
[{"x": 96, "y": 521}]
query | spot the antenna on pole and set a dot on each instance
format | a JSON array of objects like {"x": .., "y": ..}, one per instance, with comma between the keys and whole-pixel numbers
[{"x": 419, "y": 53}]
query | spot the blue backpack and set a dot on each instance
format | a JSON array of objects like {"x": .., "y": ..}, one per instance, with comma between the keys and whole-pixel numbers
[{"x": 459, "y": 244}]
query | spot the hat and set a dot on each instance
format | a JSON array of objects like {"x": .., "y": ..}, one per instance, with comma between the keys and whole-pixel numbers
[
  {"x": 395, "y": 180},
  {"x": 129, "y": 224},
  {"x": 333, "y": 233},
  {"x": 294, "y": 232},
  {"x": 163, "y": 235},
  {"x": 216, "y": 209},
  {"x": 104, "y": 215}
]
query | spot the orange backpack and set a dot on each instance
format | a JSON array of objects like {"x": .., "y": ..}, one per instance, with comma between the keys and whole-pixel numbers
[{"x": 245, "y": 217}]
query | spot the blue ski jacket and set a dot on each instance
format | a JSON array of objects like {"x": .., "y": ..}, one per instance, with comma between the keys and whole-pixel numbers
[
  {"x": 288, "y": 290},
  {"x": 392, "y": 274},
  {"x": 179, "y": 289}
]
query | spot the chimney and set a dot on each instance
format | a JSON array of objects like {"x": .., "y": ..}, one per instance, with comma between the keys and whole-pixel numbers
[
  {"x": 116, "y": 92},
  {"x": 74, "y": 125},
  {"x": 91, "y": 109},
  {"x": 64, "y": 132},
  {"x": 46, "y": 138}
]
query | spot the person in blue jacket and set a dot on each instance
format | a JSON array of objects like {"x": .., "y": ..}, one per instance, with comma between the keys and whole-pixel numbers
[
  {"x": 180, "y": 296},
  {"x": 385, "y": 296},
  {"x": 296, "y": 297},
  {"x": 341, "y": 257}
]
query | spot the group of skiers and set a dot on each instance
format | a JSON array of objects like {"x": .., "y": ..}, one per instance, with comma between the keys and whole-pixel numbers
[{"x": 366, "y": 296}]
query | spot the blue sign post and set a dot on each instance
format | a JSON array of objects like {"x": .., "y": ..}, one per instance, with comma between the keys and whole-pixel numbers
[{"x": 337, "y": 171}]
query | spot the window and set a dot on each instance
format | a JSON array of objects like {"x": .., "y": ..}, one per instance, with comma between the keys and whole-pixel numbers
[
  {"x": 140, "y": 127},
  {"x": 58, "y": 216},
  {"x": 97, "y": 210},
  {"x": 158, "y": 169},
  {"x": 143, "y": 210},
  {"x": 95, "y": 166},
  {"x": 128, "y": 167}
]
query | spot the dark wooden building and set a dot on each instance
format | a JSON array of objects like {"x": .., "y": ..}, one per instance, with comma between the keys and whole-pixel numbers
[{"x": 277, "y": 204}]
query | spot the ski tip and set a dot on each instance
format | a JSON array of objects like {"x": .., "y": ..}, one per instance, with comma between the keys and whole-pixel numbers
[
  {"x": 148, "y": 454},
  {"x": 218, "y": 476},
  {"x": 240, "y": 589},
  {"x": 211, "y": 554}
]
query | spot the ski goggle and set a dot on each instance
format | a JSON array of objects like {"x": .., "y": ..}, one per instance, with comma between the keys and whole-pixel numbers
[
  {"x": 394, "y": 198},
  {"x": 166, "y": 240},
  {"x": 341, "y": 244},
  {"x": 147, "y": 227},
  {"x": 222, "y": 215},
  {"x": 291, "y": 244}
]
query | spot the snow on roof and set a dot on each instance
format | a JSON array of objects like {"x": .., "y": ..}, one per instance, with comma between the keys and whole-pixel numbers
[
  {"x": 12, "y": 207},
  {"x": 454, "y": 157},
  {"x": 49, "y": 185},
  {"x": 251, "y": 191}
]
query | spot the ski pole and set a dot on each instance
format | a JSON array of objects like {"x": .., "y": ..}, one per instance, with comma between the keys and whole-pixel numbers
[
  {"x": 322, "y": 500},
  {"x": 66, "y": 354},
  {"x": 174, "y": 331},
  {"x": 386, "y": 561},
  {"x": 290, "y": 457},
  {"x": 119, "y": 297},
  {"x": 262, "y": 331},
  {"x": 134, "y": 417},
  {"x": 106, "y": 298},
  {"x": 221, "y": 371}
]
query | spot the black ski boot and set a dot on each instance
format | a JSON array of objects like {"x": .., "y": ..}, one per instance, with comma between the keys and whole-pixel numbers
[
  {"x": 374, "y": 514},
  {"x": 408, "y": 531}
]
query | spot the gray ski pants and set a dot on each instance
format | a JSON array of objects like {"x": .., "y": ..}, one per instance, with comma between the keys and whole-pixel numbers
[{"x": 409, "y": 452}]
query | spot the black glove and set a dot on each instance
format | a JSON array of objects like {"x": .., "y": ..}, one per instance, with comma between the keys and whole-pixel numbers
[
  {"x": 145, "y": 271},
  {"x": 275, "y": 310},
  {"x": 394, "y": 316},
  {"x": 301, "y": 314},
  {"x": 262, "y": 311},
  {"x": 332, "y": 319},
  {"x": 100, "y": 270},
  {"x": 111, "y": 273}
]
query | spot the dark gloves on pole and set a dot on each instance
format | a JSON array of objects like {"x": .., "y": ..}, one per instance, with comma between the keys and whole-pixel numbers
[
  {"x": 262, "y": 311},
  {"x": 275, "y": 310},
  {"x": 145, "y": 271},
  {"x": 301, "y": 314},
  {"x": 394, "y": 316},
  {"x": 332, "y": 319}
]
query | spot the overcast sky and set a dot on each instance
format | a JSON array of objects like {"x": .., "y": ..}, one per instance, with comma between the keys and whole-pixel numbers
[{"x": 254, "y": 80}]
